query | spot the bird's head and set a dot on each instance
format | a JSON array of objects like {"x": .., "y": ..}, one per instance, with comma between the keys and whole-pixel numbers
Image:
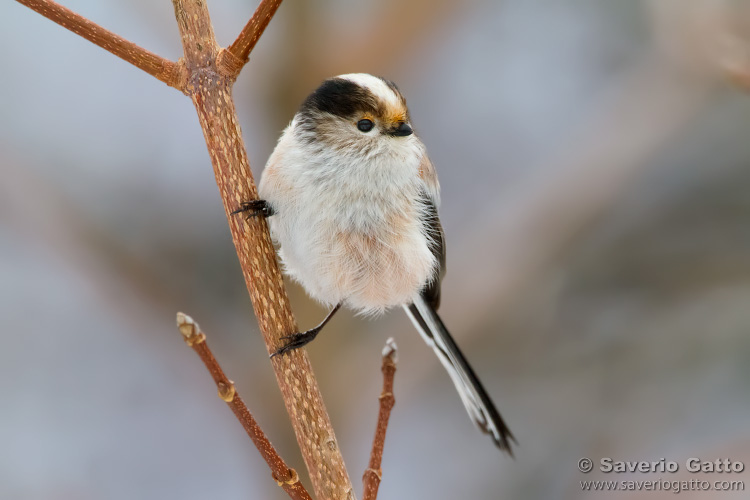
[{"x": 356, "y": 112}]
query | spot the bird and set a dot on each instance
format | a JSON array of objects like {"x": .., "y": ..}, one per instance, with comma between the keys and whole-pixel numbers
[{"x": 351, "y": 200}]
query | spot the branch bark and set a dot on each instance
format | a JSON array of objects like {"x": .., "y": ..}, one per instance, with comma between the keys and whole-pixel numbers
[
  {"x": 284, "y": 476},
  {"x": 232, "y": 60},
  {"x": 373, "y": 474},
  {"x": 163, "y": 69},
  {"x": 211, "y": 93},
  {"x": 202, "y": 76}
]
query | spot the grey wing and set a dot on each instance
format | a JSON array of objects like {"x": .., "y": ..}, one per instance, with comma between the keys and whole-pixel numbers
[{"x": 431, "y": 292}]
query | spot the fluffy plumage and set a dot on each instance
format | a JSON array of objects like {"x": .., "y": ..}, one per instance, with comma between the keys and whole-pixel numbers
[
  {"x": 356, "y": 217},
  {"x": 351, "y": 204}
]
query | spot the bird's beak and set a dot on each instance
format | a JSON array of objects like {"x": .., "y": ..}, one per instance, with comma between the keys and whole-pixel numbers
[{"x": 402, "y": 130}]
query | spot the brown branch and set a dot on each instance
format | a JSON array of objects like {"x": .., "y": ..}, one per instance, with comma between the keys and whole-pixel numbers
[
  {"x": 168, "y": 72},
  {"x": 373, "y": 474},
  {"x": 198, "y": 75},
  {"x": 237, "y": 54},
  {"x": 284, "y": 476},
  {"x": 211, "y": 92}
]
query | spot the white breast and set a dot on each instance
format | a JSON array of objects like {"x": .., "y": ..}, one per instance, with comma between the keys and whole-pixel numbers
[{"x": 350, "y": 228}]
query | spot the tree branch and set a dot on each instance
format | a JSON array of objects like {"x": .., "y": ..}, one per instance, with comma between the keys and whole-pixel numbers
[
  {"x": 168, "y": 72},
  {"x": 198, "y": 75},
  {"x": 211, "y": 92},
  {"x": 284, "y": 476},
  {"x": 237, "y": 54},
  {"x": 373, "y": 474}
]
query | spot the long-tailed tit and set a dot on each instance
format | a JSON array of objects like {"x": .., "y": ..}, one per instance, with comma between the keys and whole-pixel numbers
[{"x": 353, "y": 199}]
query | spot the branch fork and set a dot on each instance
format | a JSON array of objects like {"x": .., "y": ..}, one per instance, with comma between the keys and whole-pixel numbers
[
  {"x": 284, "y": 476},
  {"x": 206, "y": 73}
]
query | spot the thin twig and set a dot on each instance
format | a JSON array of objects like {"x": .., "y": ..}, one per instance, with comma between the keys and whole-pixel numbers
[
  {"x": 163, "y": 69},
  {"x": 198, "y": 76},
  {"x": 284, "y": 476},
  {"x": 372, "y": 476},
  {"x": 211, "y": 92},
  {"x": 237, "y": 54}
]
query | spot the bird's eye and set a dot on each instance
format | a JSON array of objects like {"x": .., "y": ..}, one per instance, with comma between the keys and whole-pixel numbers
[{"x": 365, "y": 125}]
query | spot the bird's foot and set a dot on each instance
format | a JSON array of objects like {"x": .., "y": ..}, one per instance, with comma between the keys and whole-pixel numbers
[
  {"x": 255, "y": 208},
  {"x": 297, "y": 340}
]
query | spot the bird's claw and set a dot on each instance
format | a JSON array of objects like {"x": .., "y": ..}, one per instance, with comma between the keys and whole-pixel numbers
[
  {"x": 296, "y": 340},
  {"x": 255, "y": 208}
]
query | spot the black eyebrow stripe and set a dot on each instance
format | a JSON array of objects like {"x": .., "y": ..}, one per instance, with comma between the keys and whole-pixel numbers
[{"x": 340, "y": 97}]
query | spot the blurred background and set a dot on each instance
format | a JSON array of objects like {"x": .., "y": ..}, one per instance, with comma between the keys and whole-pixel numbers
[{"x": 595, "y": 165}]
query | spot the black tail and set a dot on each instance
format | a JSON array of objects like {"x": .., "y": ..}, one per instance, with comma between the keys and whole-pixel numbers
[{"x": 478, "y": 404}]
